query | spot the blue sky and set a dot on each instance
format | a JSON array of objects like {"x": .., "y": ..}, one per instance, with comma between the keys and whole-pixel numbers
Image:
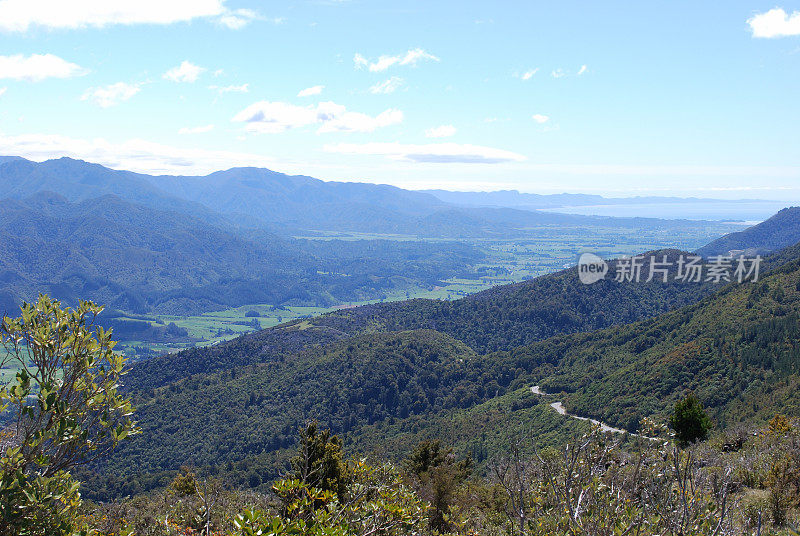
[{"x": 664, "y": 98}]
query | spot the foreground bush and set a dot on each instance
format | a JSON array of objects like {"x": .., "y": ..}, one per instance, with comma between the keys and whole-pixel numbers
[{"x": 63, "y": 409}]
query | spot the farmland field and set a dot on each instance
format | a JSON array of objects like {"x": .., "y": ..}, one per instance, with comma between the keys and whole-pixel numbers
[{"x": 546, "y": 249}]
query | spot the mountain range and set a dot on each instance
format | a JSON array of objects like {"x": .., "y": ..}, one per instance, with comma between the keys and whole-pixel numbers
[
  {"x": 260, "y": 198},
  {"x": 185, "y": 245},
  {"x": 516, "y": 199},
  {"x": 770, "y": 235}
]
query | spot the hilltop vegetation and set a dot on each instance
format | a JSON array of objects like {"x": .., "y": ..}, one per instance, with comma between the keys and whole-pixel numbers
[{"x": 596, "y": 485}]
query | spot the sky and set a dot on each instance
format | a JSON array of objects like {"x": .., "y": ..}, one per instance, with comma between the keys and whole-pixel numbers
[{"x": 616, "y": 98}]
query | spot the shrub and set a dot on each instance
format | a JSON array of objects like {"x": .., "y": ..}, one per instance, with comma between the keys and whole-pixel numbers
[{"x": 689, "y": 421}]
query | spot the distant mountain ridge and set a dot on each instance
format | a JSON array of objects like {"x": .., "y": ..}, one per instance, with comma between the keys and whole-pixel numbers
[
  {"x": 278, "y": 197},
  {"x": 77, "y": 180},
  {"x": 250, "y": 196},
  {"x": 515, "y": 198},
  {"x": 290, "y": 204}
]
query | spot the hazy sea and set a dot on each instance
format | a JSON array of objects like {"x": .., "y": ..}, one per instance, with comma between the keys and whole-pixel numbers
[{"x": 749, "y": 212}]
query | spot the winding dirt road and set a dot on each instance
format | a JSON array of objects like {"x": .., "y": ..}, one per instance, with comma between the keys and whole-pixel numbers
[{"x": 559, "y": 407}]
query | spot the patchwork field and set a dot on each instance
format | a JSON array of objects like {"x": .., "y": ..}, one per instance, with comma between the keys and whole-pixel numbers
[{"x": 544, "y": 250}]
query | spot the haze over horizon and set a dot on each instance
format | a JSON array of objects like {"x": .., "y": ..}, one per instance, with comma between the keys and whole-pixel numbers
[{"x": 463, "y": 97}]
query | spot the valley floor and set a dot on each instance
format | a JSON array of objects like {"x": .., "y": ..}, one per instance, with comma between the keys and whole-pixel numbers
[{"x": 543, "y": 250}]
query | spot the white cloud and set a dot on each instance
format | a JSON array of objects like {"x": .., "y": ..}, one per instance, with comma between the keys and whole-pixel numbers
[
  {"x": 443, "y": 131},
  {"x": 196, "y": 130},
  {"x": 558, "y": 73},
  {"x": 541, "y": 119},
  {"x": 230, "y": 89},
  {"x": 37, "y": 67},
  {"x": 387, "y": 86},
  {"x": 274, "y": 117},
  {"x": 360, "y": 61},
  {"x": 185, "y": 72},
  {"x": 2, "y": 90},
  {"x": 527, "y": 75},
  {"x": 442, "y": 153},
  {"x": 582, "y": 70},
  {"x": 309, "y": 91},
  {"x": 412, "y": 57},
  {"x": 237, "y": 18},
  {"x": 135, "y": 155},
  {"x": 20, "y": 15},
  {"x": 775, "y": 23},
  {"x": 112, "y": 94}
]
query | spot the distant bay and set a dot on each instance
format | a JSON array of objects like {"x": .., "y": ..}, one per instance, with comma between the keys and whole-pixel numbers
[{"x": 744, "y": 211}]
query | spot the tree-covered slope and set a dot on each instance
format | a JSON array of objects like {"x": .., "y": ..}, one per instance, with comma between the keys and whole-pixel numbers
[
  {"x": 509, "y": 316},
  {"x": 779, "y": 231},
  {"x": 212, "y": 419},
  {"x": 137, "y": 258},
  {"x": 738, "y": 350},
  {"x": 500, "y": 318}
]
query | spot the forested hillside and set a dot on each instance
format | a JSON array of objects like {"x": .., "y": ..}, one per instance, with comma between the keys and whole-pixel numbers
[
  {"x": 140, "y": 259},
  {"x": 382, "y": 384},
  {"x": 501, "y": 318},
  {"x": 770, "y": 235},
  {"x": 738, "y": 350}
]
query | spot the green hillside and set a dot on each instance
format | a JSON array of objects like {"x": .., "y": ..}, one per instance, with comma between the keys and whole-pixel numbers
[
  {"x": 736, "y": 349},
  {"x": 739, "y": 350},
  {"x": 501, "y": 318},
  {"x": 142, "y": 260},
  {"x": 768, "y": 236}
]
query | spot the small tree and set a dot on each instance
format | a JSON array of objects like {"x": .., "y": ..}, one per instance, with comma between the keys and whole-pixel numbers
[
  {"x": 319, "y": 462},
  {"x": 63, "y": 409},
  {"x": 440, "y": 476},
  {"x": 689, "y": 421}
]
